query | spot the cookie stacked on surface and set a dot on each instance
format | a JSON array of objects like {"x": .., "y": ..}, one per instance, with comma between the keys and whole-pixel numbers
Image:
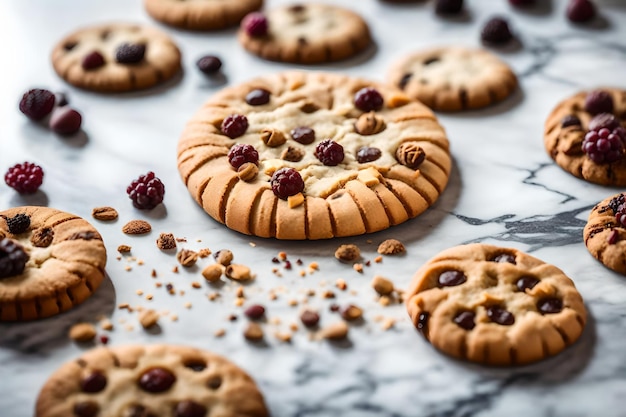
[
  {"x": 200, "y": 14},
  {"x": 605, "y": 232}
]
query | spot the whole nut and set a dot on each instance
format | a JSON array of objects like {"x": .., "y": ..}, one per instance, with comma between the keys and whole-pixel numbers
[
  {"x": 148, "y": 318},
  {"x": 248, "y": 171},
  {"x": 213, "y": 272},
  {"x": 82, "y": 332},
  {"x": 351, "y": 312},
  {"x": 410, "y": 155},
  {"x": 104, "y": 213},
  {"x": 238, "y": 272},
  {"x": 253, "y": 332},
  {"x": 272, "y": 137},
  {"x": 382, "y": 285},
  {"x": 369, "y": 124},
  {"x": 223, "y": 257},
  {"x": 336, "y": 331}
]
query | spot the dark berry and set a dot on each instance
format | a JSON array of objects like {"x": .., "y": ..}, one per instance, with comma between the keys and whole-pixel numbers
[
  {"x": 501, "y": 316},
  {"x": 235, "y": 125},
  {"x": 147, "y": 191},
  {"x": 241, "y": 153},
  {"x": 309, "y": 318},
  {"x": 13, "y": 258},
  {"x": 304, "y": 135},
  {"x": 526, "y": 283},
  {"x": 255, "y": 24},
  {"x": 209, "y": 64},
  {"x": 255, "y": 311},
  {"x": 130, "y": 53},
  {"x": 286, "y": 182},
  {"x": 620, "y": 216},
  {"x": 368, "y": 99},
  {"x": 616, "y": 202},
  {"x": 258, "y": 97},
  {"x": 504, "y": 258},
  {"x": 570, "y": 120},
  {"x": 367, "y": 154},
  {"x": 448, "y": 6},
  {"x": 465, "y": 320},
  {"x": 580, "y": 11},
  {"x": 451, "y": 278},
  {"x": 599, "y": 101},
  {"x": 157, "y": 380},
  {"x": 604, "y": 120},
  {"x": 37, "y": 103},
  {"x": 190, "y": 408},
  {"x": 329, "y": 152},
  {"x": 605, "y": 146},
  {"x": 522, "y": 2},
  {"x": 94, "y": 382},
  {"x": 496, "y": 31},
  {"x": 92, "y": 61},
  {"x": 65, "y": 121},
  {"x": 18, "y": 223},
  {"x": 550, "y": 305},
  {"x": 25, "y": 178},
  {"x": 86, "y": 409}
]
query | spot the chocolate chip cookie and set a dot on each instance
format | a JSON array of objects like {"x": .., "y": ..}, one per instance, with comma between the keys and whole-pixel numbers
[
  {"x": 116, "y": 57},
  {"x": 454, "y": 78},
  {"x": 605, "y": 232},
  {"x": 150, "y": 381},
  {"x": 301, "y": 155},
  {"x": 305, "y": 33},
  {"x": 201, "y": 14},
  {"x": 495, "y": 306},
  {"x": 50, "y": 261},
  {"x": 585, "y": 134}
]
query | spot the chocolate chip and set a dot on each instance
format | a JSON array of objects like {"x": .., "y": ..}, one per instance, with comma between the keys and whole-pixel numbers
[
  {"x": 68, "y": 46},
  {"x": 431, "y": 60},
  {"x": 86, "y": 409},
  {"x": 368, "y": 154},
  {"x": 214, "y": 382},
  {"x": 405, "y": 80},
  {"x": 156, "y": 380},
  {"x": 94, "y": 382},
  {"x": 465, "y": 320},
  {"x": 130, "y": 53},
  {"x": 526, "y": 283},
  {"x": 499, "y": 315},
  {"x": 196, "y": 365},
  {"x": 190, "y": 408},
  {"x": 258, "y": 97},
  {"x": 137, "y": 410},
  {"x": 302, "y": 41},
  {"x": 550, "y": 305},
  {"x": 309, "y": 318},
  {"x": 504, "y": 258},
  {"x": 570, "y": 120},
  {"x": 451, "y": 278},
  {"x": 304, "y": 135}
]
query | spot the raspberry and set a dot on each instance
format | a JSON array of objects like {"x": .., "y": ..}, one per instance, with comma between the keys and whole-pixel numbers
[
  {"x": 304, "y": 135},
  {"x": 13, "y": 258},
  {"x": 329, "y": 152},
  {"x": 448, "y": 6},
  {"x": 599, "y": 101},
  {"x": 496, "y": 31},
  {"x": 604, "y": 120},
  {"x": 367, "y": 154},
  {"x": 65, "y": 121},
  {"x": 147, "y": 191},
  {"x": 209, "y": 64},
  {"x": 604, "y": 145},
  {"x": 580, "y": 11},
  {"x": 255, "y": 24},
  {"x": 25, "y": 178},
  {"x": 235, "y": 125},
  {"x": 92, "y": 61},
  {"x": 286, "y": 182},
  {"x": 242, "y": 153},
  {"x": 258, "y": 97},
  {"x": 18, "y": 223},
  {"x": 368, "y": 99},
  {"x": 37, "y": 103},
  {"x": 570, "y": 120},
  {"x": 130, "y": 53}
]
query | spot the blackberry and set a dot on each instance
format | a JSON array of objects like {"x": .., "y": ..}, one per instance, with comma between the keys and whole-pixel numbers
[
  {"x": 304, "y": 135},
  {"x": 13, "y": 258},
  {"x": 496, "y": 31},
  {"x": 570, "y": 120},
  {"x": 580, "y": 11},
  {"x": 617, "y": 202},
  {"x": 147, "y": 191},
  {"x": 92, "y": 61},
  {"x": 25, "y": 178},
  {"x": 130, "y": 53},
  {"x": 65, "y": 121},
  {"x": 448, "y": 6},
  {"x": 37, "y": 103},
  {"x": 620, "y": 215},
  {"x": 209, "y": 64},
  {"x": 368, "y": 99},
  {"x": 242, "y": 153},
  {"x": 329, "y": 152},
  {"x": 258, "y": 97},
  {"x": 255, "y": 24},
  {"x": 286, "y": 182},
  {"x": 18, "y": 223},
  {"x": 234, "y": 125},
  {"x": 599, "y": 101},
  {"x": 604, "y": 145}
]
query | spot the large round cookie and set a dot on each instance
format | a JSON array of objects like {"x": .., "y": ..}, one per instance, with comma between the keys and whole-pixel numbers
[
  {"x": 201, "y": 14},
  {"x": 150, "y": 381},
  {"x": 65, "y": 262},
  {"x": 605, "y": 235},
  {"x": 454, "y": 78},
  {"x": 563, "y": 140},
  {"x": 348, "y": 199},
  {"x": 308, "y": 33},
  {"x": 496, "y": 306},
  {"x": 73, "y": 57}
]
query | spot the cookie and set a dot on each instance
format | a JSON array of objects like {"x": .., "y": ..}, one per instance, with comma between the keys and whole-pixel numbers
[
  {"x": 454, "y": 78},
  {"x": 565, "y": 131},
  {"x": 201, "y": 14},
  {"x": 605, "y": 232},
  {"x": 116, "y": 57},
  {"x": 305, "y": 33},
  {"x": 151, "y": 381},
  {"x": 311, "y": 155},
  {"x": 495, "y": 306},
  {"x": 50, "y": 261}
]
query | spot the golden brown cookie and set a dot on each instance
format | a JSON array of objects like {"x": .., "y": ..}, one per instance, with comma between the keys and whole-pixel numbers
[
  {"x": 116, "y": 57},
  {"x": 454, "y": 78},
  {"x": 565, "y": 130},
  {"x": 305, "y": 33},
  {"x": 605, "y": 232},
  {"x": 151, "y": 381},
  {"x": 201, "y": 14},
  {"x": 50, "y": 261},
  {"x": 496, "y": 306},
  {"x": 368, "y": 156}
]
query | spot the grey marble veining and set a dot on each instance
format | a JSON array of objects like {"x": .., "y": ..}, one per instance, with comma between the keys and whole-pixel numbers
[{"x": 504, "y": 189}]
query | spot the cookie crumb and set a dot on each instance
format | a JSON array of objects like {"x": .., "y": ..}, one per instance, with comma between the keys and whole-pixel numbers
[
  {"x": 123, "y": 249},
  {"x": 348, "y": 253},
  {"x": 253, "y": 332},
  {"x": 166, "y": 241},
  {"x": 136, "y": 227},
  {"x": 219, "y": 333},
  {"x": 187, "y": 257},
  {"x": 351, "y": 312},
  {"x": 358, "y": 268},
  {"x": 391, "y": 247},
  {"x": 382, "y": 285},
  {"x": 384, "y": 301},
  {"x": 175, "y": 269},
  {"x": 223, "y": 257},
  {"x": 104, "y": 213},
  {"x": 139, "y": 292},
  {"x": 148, "y": 318},
  {"x": 283, "y": 337},
  {"x": 106, "y": 324},
  {"x": 328, "y": 294},
  {"x": 188, "y": 305},
  {"x": 196, "y": 285},
  {"x": 238, "y": 272},
  {"x": 341, "y": 284},
  {"x": 82, "y": 332},
  {"x": 149, "y": 297},
  {"x": 153, "y": 273},
  {"x": 378, "y": 259},
  {"x": 204, "y": 252}
]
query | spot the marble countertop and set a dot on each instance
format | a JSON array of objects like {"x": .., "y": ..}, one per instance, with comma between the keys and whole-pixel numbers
[{"x": 504, "y": 189}]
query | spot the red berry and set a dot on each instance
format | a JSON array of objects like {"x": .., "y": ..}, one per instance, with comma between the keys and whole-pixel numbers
[
  {"x": 580, "y": 11},
  {"x": 368, "y": 99},
  {"x": 604, "y": 145},
  {"x": 37, "y": 103},
  {"x": 25, "y": 178},
  {"x": 65, "y": 120},
  {"x": 235, "y": 125},
  {"x": 147, "y": 191},
  {"x": 130, "y": 53},
  {"x": 599, "y": 101},
  {"x": 92, "y": 61},
  {"x": 209, "y": 64},
  {"x": 286, "y": 182},
  {"x": 329, "y": 152},
  {"x": 496, "y": 31},
  {"x": 242, "y": 153},
  {"x": 255, "y": 24}
]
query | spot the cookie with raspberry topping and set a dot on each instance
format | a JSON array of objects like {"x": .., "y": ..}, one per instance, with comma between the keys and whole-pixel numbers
[{"x": 605, "y": 232}]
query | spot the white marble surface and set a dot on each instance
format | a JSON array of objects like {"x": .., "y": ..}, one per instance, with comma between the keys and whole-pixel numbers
[{"x": 504, "y": 189}]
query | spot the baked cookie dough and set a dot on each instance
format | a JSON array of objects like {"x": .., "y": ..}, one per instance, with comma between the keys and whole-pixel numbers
[
  {"x": 454, "y": 78},
  {"x": 301, "y": 155},
  {"x": 116, "y": 57},
  {"x": 605, "y": 232},
  {"x": 567, "y": 126},
  {"x": 305, "y": 33},
  {"x": 50, "y": 261},
  {"x": 495, "y": 306},
  {"x": 151, "y": 381},
  {"x": 201, "y": 14}
]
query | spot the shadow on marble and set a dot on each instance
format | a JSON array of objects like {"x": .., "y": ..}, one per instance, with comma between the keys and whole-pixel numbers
[
  {"x": 77, "y": 140},
  {"x": 212, "y": 81},
  {"x": 38, "y": 198},
  {"x": 600, "y": 22},
  {"x": 541, "y": 8},
  {"x": 157, "y": 213},
  {"x": 40, "y": 336},
  {"x": 464, "y": 17}
]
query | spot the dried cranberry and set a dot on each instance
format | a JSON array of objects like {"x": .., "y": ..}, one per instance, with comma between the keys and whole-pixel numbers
[
  {"x": 465, "y": 320},
  {"x": 367, "y": 154},
  {"x": 604, "y": 120},
  {"x": 620, "y": 216},
  {"x": 286, "y": 182},
  {"x": 599, "y": 101},
  {"x": 130, "y": 53},
  {"x": 329, "y": 152},
  {"x": 255, "y": 24},
  {"x": 570, "y": 120},
  {"x": 18, "y": 223},
  {"x": 501, "y": 316},
  {"x": 92, "y": 61},
  {"x": 368, "y": 99},
  {"x": 448, "y": 6},
  {"x": 304, "y": 135},
  {"x": 451, "y": 278},
  {"x": 526, "y": 283},
  {"x": 235, "y": 125},
  {"x": 209, "y": 64},
  {"x": 241, "y": 153},
  {"x": 146, "y": 192},
  {"x": 613, "y": 237},
  {"x": 496, "y": 31},
  {"x": 13, "y": 258},
  {"x": 550, "y": 305},
  {"x": 190, "y": 408},
  {"x": 94, "y": 382},
  {"x": 86, "y": 409},
  {"x": 157, "y": 380},
  {"x": 258, "y": 97},
  {"x": 580, "y": 11},
  {"x": 309, "y": 318},
  {"x": 37, "y": 103},
  {"x": 25, "y": 178},
  {"x": 504, "y": 258},
  {"x": 255, "y": 311},
  {"x": 65, "y": 120}
]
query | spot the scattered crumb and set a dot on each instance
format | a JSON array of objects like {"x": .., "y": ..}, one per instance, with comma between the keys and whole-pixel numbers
[
  {"x": 219, "y": 333},
  {"x": 378, "y": 259},
  {"x": 175, "y": 269},
  {"x": 139, "y": 292},
  {"x": 382, "y": 285},
  {"x": 187, "y": 257},
  {"x": 188, "y": 305},
  {"x": 149, "y": 297},
  {"x": 351, "y": 312},
  {"x": 166, "y": 241},
  {"x": 196, "y": 285},
  {"x": 239, "y": 292},
  {"x": 203, "y": 253},
  {"x": 123, "y": 249},
  {"x": 252, "y": 244},
  {"x": 384, "y": 301},
  {"x": 153, "y": 273},
  {"x": 282, "y": 256},
  {"x": 106, "y": 324},
  {"x": 104, "y": 213},
  {"x": 212, "y": 272},
  {"x": 82, "y": 332},
  {"x": 341, "y": 284},
  {"x": 212, "y": 296},
  {"x": 238, "y": 272},
  {"x": 358, "y": 268},
  {"x": 388, "y": 323},
  {"x": 391, "y": 247},
  {"x": 136, "y": 227},
  {"x": 283, "y": 336},
  {"x": 239, "y": 301},
  {"x": 253, "y": 331},
  {"x": 148, "y": 318},
  {"x": 224, "y": 257},
  {"x": 348, "y": 253},
  {"x": 328, "y": 294},
  {"x": 335, "y": 331}
]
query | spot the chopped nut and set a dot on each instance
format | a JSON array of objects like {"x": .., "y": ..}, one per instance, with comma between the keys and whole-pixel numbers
[
  {"x": 397, "y": 100},
  {"x": 253, "y": 332},
  {"x": 248, "y": 171},
  {"x": 213, "y": 272},
  {"x": 369, "y": 124},
  {"x": 283, "y": 336},
  {"x": 282, "y": 256},
  {"x": 104, "y": 213},
  {"x": 166, "y": 241},
  {"x": 223, "y": 257},
  {"x": 378, "y": 259},
  {"x": 175, "y": 269},
  {"x": 238, "y": 272},
  {"x": 42, "y": 237},
  {"x": 384, "y": 301},
  {"x": 123, "y": 249},
  {"x": 391, "y": 247},
  {"x": 358, "y": 268},
  {"x": 187, "y": 257},
  {"x": 273, "y": 138},
  {"x": 139, "y": 292},
  {"x": 410, "y": 155},
  {"x": 148, "y": 318},
  {"x": 137, "y": 227},
  {"x": 203, "y": 253},
  {"x": 292, "y": 154},
  {"x": 219, "y": 333},
  {"x": 149, "y": 297},
  {"x": 153, "y": 273},
  {"x": 348, "y": 253},
  {"x": 341, "y": 284},
  {"x": 106, "y": 324},
  {"x": 239, "y": 301},
  {"x": 239, "y": 292},
  {"x": 388, "y": 323},
  {"x": 294, "y": 201},
  {"x": 335, "y": 331},
  {"x": 82, "y": 332},
  {"x": 328, "y": 294},
  {"x": 212, "y": 296},
  {"x": 351, "y": 312},
  {"x": 188, "y": 304},
  {"x": 196, "y": 285},
  {"x": 382, "y": 285}
]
